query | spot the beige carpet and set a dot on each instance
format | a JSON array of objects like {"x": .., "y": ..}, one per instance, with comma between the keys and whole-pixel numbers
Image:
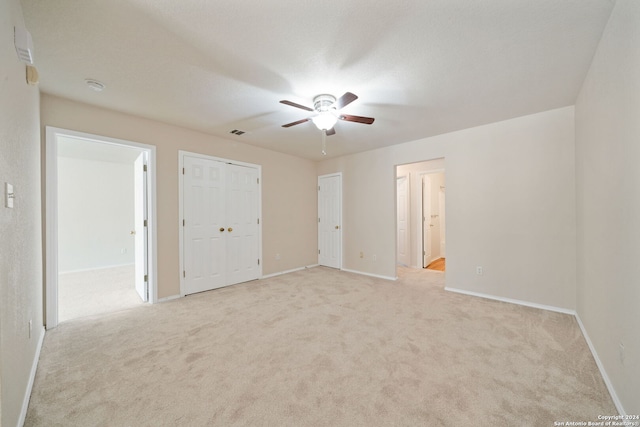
[
  {"x": 105, "y": 290},
  {"x": 320, "y": 347}
]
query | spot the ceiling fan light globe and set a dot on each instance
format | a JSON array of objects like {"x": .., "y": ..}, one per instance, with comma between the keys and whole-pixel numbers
[{"x": 324, "y": 121}]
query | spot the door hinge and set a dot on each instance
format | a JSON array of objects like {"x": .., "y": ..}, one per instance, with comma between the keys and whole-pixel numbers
[
  {"x": 318, "y": 188},
  {"x": 318, "y": 251},
  {"x": 258, "y": 220},
  {"x": 257, "y": 180},
  {"x": 146, "y": 278},
  {"x": 258, "y": 261},
  {"x": 183, "y": 222},
  {"x": 145, "y": 222},
  {"x": 318, "y": 219},
  {"x": 184, "y": 273},
  {"x": 182, "y": 171},
  {"x": 144, "y": 168}
]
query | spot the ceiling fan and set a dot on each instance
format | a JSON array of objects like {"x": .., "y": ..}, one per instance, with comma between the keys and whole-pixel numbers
[{"x": 327, "y": 112}]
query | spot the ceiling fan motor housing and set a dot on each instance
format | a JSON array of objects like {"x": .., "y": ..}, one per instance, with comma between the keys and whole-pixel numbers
[{"x": 321, "y": 103}]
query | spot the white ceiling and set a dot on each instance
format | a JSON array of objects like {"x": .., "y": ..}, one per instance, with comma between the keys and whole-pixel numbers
[{"x": 420, "y": 67}]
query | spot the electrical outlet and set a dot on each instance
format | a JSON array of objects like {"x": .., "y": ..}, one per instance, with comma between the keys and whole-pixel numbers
[
  {"x": 361, "y": 254},
  {"x": 374, "y": 258},
  {"x": 277, "y": 256},
  {"x": 479, "y": 270},
  {"x": 30, "y": 328},
  {"x": 622, "y": 355},
  {"x": 123, "y": 250}
]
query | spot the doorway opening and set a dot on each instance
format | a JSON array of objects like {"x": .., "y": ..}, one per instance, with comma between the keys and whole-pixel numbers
[
  {"x": 99, "y": 225},
  {"x": 420, "y": 217}
]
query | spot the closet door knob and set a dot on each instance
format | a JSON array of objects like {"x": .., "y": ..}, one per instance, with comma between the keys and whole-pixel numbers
[
  {"x": 221, "y": 229},
  {"x": 229, "y": 229}
]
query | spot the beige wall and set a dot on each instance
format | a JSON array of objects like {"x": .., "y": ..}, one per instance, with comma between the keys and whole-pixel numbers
[
  {"x": 20, "y": 229},
  {"x": 289, "y": 200},
  {"x": 510, "y": 206},
  {"x": 608, "y": 200}
]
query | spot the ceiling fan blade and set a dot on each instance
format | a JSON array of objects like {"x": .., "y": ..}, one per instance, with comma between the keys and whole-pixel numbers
[
  {"x": 293, "y": 104},
  {"x": 357, "y": 119},
  {"x": 344, "y": 100},
  {"x": 288, "y": 125},
  {"x": 331, "y": 131}
]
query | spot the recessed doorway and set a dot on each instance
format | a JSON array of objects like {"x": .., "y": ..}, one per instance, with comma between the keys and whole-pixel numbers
[
  {"x": 421, "y": 230},
  {"x": 99, "y": 225}
]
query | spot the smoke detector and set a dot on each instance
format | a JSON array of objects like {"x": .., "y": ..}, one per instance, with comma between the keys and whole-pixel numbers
[{"x": 95, "y": 85}]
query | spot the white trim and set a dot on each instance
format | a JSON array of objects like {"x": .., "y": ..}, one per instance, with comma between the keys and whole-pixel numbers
[
  {"x": 32, "y": 378},
  {"x": 170, "y": 298},
  {"x": 293, "y": 270},
  {"x": 605, "y": 377},
  {"x": 51, "y": 229},
  {"x": 513, "y": 301},
  {"x": 106, "y": 267},
  {"x": 181, "y": 156},
  {"x": 370, "y": 274},
  {"x": 51, "y": 212}
]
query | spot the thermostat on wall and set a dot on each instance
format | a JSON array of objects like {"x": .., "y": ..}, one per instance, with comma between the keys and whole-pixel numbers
[{"x": 8, "y": 195}]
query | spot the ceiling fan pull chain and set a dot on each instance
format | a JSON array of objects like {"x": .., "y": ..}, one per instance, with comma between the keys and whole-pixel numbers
[{"x": 324, "y": 142}]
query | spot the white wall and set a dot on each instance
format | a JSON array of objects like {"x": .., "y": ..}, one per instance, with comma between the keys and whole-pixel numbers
[
  {"x": 20, "y": 227},
  {"x": 289, "y": 195},
  {"x": 95, "y": 214},
  {"x": 510, "y": 206},
  {"x": 608, "y": 200}
]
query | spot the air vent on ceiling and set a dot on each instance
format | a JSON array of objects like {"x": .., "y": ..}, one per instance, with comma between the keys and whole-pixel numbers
[{"x": 237, "y": 132}]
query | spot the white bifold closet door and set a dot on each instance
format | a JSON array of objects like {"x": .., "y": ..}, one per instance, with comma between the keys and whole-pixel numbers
[{"x": 220, "y": 203}]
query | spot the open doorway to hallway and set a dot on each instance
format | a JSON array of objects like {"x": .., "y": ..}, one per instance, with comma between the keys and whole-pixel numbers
[
  {"x": 99, "y": 218},
  {"x": 421, "y": 219},
  {"x": 96, "y": 228}
]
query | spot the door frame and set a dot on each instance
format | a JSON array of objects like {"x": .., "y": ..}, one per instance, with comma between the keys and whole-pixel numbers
[
  {"x": 421, "y": 237},
  {"x": 407, "y": 207},
  {"x": 181, "y": 155},
  {"x": 51, "y": 214},
  {"x": 340, "y": 203}
]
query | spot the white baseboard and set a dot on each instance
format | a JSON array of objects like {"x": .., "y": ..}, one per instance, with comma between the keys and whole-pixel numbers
[
  {"x": 605, "y": 377},
  {"x": 280, "y": 273},
  {"x": 105, "y": 267},
  {"x": 32, "y": 378},
  {"x": 370, "y": 274},
  {"x": 170, "y": 298},
  {"x": 513, "y": 301}
]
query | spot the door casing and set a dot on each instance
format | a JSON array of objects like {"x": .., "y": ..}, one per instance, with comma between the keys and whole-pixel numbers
[{"x": 51, "y": 214}]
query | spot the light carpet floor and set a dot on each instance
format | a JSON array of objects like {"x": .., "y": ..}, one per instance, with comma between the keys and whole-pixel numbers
[
  {"x": 320, "y": 347},
  {"x": 100, "y": 291}
]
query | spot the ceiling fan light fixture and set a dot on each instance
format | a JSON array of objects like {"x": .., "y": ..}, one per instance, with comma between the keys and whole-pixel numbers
[{"x": 324, "y": 120}]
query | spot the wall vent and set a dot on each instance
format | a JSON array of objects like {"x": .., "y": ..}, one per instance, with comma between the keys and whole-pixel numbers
[{"x": 237, "y": 132}]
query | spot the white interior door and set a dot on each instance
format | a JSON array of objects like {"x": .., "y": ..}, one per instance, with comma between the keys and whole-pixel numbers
[
  {"x": 402, "y": 194},
  {"x": 426, "y": 221},
  {"x": 204, "y": 225},
  {"x": 140, "y": 227},
  {"x": 330, "y": 221},
  {"x": 242, "y": 260},
  {"x": 220, "y": 203}
]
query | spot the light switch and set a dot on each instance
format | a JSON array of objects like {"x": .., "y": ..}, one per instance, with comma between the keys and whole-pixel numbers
[{"x": 8, "y": 195}]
